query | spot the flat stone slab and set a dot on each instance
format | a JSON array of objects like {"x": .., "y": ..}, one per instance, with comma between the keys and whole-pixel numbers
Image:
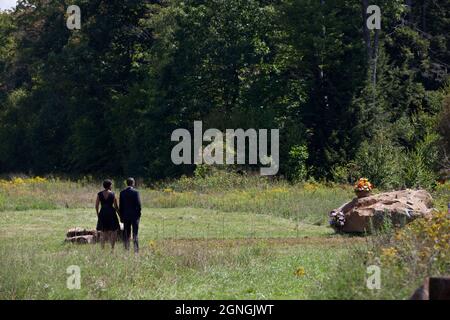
[
  {"x": 75, "y": 232},
  {"x": 86, "y": 239},
  {"x": 87, "y": 236}
]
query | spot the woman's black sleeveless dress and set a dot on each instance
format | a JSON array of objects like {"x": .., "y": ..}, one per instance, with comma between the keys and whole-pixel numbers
[{"x": 107, "y": 217}]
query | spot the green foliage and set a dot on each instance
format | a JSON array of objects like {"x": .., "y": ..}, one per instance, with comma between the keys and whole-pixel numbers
[
  {"x": 105, "y": 99},
  {"x": 201, "y": 171},
  {"x": 444, "y": 128},
  {"x": 297, "y": 163},
  {"x": 379, "y": 161},
  {"x": 418, "y": 164},
  {"x": 390, "y": 166},
  {"x": 346, "y": 174}
]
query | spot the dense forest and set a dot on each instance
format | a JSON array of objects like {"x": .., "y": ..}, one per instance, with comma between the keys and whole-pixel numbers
[{"x": 348, "y": 101}]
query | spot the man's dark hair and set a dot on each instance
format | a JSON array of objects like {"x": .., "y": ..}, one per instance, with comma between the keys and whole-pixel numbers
[
  {"x": 107, "y": 184},
  {"x": 130, "y": 182}
]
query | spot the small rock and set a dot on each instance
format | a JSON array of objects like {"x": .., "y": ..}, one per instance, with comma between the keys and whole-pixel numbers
[
  {"x": 86, "y": 239},
  {"x": 74, "y": 232}
]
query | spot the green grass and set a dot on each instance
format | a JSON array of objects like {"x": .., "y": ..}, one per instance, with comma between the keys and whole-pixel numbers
[
  {"x": 294, "y": 202},
  {"x": 229, "y": 263},
  {"x": 52, "y": 194},
  {"x": 308, "y": 203},
  {"x": 160, "y": 223},
  {"x": 223, "y": 237}
]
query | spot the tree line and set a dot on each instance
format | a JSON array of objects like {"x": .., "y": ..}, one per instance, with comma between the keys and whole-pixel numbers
[{"x": 348, "y": 101}]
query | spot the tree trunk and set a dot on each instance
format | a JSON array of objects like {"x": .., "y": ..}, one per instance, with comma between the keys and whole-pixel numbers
[
  {"x": 364, "y": 5},
  {"x": 424, "y": 16},
  {"x": 375, "y": 56},
  {"x": 409, "y": 3},
  {"x": 372, "y": 50}
]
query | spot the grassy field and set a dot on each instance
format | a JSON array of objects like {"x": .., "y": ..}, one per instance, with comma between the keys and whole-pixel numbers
[
  {"x": 307, "y": 202},
  {"x": 194, "y": 253},
  {"x": 230, "y": 240}
]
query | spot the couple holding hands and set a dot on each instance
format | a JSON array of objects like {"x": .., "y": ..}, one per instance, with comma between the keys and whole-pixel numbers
[{"x": 128, "y": 209}]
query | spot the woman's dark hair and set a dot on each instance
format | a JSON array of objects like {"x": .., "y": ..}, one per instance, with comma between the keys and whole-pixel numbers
[{"x": 107, "y": 184}]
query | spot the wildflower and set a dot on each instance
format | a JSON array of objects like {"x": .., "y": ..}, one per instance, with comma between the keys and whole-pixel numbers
[
  {"x": 38, "y": 180},
  {"x": 300, "y": 272},
  {"x": 17, "y": 181},
  {"x": 389, "y": 253},
  {"x": 279, "y": 190},
  {"x": 399, "y": 236},
  {"x": 310, "y": 186},
  {"x": 152, "y": 244}
]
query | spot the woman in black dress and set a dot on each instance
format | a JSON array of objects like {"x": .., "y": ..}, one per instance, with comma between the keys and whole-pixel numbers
[{"x": 107, "y": 223}]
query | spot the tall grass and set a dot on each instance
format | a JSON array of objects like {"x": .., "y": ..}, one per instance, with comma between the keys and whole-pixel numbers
[
  {"x": 405, "y": 258},
  {"x": 35, "y": 259},
  {"x": 309, "y": 203},
  {"x": 171, "y": 271},
  {"x": 203, "y": 253},
  {"x": 42, "y": 193},
  {"x": 228, "y": 192}
]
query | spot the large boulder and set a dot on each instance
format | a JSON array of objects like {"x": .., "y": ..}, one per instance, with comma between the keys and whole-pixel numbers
[{"x": 369, "y": 213}]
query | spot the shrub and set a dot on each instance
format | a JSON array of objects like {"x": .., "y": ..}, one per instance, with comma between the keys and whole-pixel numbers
[
  {"x": 415, "y": 172},
  {"x": 390, "y": 166},
  {"x": 346, "y": 174},
  {"x": 420, "y": 165},
  {"x": 379, "y": 160},
  {"x": 441, "y": 196},
  {"x": 297, "y": 170}
]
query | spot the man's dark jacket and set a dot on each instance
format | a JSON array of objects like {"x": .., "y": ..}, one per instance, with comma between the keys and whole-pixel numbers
[{"x": 129, "y": 205}]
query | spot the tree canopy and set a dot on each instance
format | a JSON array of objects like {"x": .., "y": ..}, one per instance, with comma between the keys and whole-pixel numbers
[{"x": 105, "y": 99}]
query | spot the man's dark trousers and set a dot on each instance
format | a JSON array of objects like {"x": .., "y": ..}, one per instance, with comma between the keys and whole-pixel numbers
[
  {"x": 127, "y": 226},
  {"x": 130, "y": 213}
]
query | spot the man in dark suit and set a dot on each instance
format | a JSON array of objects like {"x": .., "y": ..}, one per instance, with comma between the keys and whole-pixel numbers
[{"x": 130, "y": 213}]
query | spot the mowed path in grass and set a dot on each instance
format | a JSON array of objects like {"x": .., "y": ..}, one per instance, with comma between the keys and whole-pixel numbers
[
  {"x": 159, "y": 224},
  {"x": 186, "y": 253}
]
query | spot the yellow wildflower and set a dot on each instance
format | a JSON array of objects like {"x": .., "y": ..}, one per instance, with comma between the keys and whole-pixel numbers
[
  {"x": 152, "y": 244},
  {"x": 17, "y": 181},
  {"x": 389, "y": 252},
  {"x": 300, "y": 272}
]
